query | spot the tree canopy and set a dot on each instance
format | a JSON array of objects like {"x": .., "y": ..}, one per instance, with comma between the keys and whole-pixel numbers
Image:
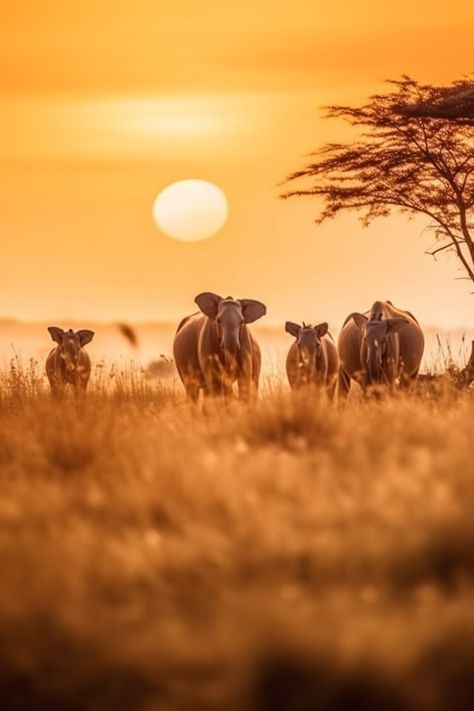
[
  {"x": 454, "y": 103},
  {"x": 406, "y": 157}
]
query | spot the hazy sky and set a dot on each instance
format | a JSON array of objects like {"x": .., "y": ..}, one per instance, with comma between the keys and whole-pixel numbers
[{"x": 104, "y": 104}]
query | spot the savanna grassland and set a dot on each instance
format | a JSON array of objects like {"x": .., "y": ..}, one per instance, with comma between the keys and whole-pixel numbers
[{"x": 290, "y": 556}]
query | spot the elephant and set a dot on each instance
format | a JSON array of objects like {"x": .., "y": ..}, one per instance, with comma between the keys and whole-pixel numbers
[
  {"x": 379, "y": 347},
  {"x": 214, "y": 348},
  {"x": 69, "y": 363},
  {"x": 312, "y": 359}
]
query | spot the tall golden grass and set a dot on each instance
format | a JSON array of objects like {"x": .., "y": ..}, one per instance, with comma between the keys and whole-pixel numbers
[{"x": 290, "y": 556}]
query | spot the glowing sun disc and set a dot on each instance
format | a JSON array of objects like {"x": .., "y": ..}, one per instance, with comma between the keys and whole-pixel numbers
[{"x": 190, "y": 210}]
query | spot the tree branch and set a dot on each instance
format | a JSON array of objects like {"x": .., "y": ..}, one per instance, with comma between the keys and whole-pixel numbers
[{"x": 402, "y": 160}]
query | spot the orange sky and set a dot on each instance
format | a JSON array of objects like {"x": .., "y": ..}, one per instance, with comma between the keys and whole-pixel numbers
[{"x": 104, "y": 104}]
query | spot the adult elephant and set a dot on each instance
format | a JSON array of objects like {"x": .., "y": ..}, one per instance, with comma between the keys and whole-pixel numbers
[
  {"x": 214, "y": 349},
  {"x": 381, "y": 346}
]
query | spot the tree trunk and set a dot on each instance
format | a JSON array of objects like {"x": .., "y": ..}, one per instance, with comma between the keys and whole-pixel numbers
[{"x": 467, "y": 373}]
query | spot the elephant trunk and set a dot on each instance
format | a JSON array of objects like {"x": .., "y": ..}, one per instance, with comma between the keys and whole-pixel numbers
[
  {"x": 230, "y": 344},
  {"x": 308, "y": 363},
  {"x": 375, "y": 374}
]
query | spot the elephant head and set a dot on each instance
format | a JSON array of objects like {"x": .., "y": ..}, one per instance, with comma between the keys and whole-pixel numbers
[
  {"x": 375, "y": 337},
  {"x": 308, "y": 340},
  {"x": 230, "y": 315}
]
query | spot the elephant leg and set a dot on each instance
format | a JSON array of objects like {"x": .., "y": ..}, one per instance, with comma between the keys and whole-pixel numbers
[
  {"x": 254, "y": 388},
  {"x": 255, "y": 377},
  {"x": 57, "y": 388},
  {"x": 407, "y": 380},
  {"x": 247, "y": 376},
  {"x": 214, "y": 390},
  {"x": 344, "y": 383},
  {"x": 216, "y": 396},
  {"x": 404, "y": 382},
  {"x": 319, "y": 380},
  {"x": 245, "y": 386},
  {"x": 80, "y": 387},
  {"x": 331, "y": 390},
  {"x": 192, "y": 392},
  {"x": 228, "y": 392},
  {"x": 79, "y": 393},
  {"x": 189, "y": 383},
  {"x": 209, "y": 401}
]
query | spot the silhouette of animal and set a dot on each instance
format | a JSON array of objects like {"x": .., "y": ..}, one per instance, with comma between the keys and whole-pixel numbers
[
  {"x": 68, "y": 363},
  {"x": 214, "y": 349},
  {"x": 379, "y": 347},
  {"x": 312, "y": 359}
]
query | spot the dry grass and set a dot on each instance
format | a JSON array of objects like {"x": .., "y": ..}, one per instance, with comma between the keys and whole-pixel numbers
[{"x": 288, "y": 557}]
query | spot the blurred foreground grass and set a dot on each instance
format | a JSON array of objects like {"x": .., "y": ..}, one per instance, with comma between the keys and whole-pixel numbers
[{"x": 287, "y": 557}]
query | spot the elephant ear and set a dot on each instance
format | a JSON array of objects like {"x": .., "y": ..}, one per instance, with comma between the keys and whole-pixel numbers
[
  {"x": 208, "y": 303},
  {"x": 252, "y": 310},
  {"x": 56, "y": 334},
  {"x": 292, "y": 328},
  {"x": 359, "y": 319},
  {"x": 395, "y": 325},
  {"x": 85, "y": 336},
  {"x": 321, "y": 329}
]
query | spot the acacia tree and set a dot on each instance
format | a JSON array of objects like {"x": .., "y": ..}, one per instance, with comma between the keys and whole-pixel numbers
[
  {"x": 403, "y": 160},
  {"x": 454, "y": 103}
]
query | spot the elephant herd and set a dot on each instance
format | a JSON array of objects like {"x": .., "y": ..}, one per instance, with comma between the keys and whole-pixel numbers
[{"x": 214, "y": 350}]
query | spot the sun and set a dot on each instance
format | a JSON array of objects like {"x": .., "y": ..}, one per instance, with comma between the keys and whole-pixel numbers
[{"x": 190, "y": 210}]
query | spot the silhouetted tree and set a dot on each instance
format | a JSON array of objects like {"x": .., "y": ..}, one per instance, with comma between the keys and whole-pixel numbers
[
  {"x": 454, "y": 103},
  {"x": 402, "y": 160}
]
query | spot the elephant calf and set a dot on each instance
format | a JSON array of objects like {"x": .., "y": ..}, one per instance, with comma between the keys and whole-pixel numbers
[
  {"x": 214, "y": 349},
  {"x": 312, "y": 358},
  {"x": 68, "y": 363}
]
